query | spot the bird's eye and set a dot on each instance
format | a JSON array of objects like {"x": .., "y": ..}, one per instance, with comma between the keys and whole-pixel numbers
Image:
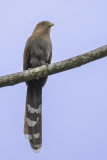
[{"x": 42, "y": 23}]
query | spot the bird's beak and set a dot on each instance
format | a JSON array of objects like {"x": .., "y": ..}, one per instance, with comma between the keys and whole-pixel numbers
[{"x": 50, "y": 25}]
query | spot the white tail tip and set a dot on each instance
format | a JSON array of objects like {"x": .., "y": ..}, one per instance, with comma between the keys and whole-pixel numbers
[{"x": 36, "y": 150}]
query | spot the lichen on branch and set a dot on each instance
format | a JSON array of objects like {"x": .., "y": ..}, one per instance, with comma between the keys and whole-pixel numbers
[{"x": 53, "y": 68}]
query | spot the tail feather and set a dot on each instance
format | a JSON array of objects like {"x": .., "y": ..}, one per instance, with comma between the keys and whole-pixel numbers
[{"x": 33, "y": 121}]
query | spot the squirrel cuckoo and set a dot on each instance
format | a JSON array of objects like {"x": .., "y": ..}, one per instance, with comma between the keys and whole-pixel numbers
[{"x": 38, "y": 52}]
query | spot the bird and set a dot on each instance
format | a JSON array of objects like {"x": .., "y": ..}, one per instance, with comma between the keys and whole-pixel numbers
[{"x": 37, "y": 52}]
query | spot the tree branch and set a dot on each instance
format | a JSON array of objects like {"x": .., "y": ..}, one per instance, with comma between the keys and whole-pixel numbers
[{"x": 46, "y": 70}]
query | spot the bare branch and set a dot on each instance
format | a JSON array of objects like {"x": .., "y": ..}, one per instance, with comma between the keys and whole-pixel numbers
[{"x": 46, "y": 70}]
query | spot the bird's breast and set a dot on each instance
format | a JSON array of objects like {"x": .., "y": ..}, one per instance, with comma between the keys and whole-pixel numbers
[{"x": 40, "y": 51}]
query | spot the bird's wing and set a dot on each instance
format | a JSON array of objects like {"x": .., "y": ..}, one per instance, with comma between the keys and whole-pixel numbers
[
  {"x": 25, "y": 58},
  {"x": 50, "y": 58}
]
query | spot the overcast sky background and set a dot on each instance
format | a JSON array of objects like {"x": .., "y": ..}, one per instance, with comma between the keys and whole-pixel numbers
[{"x": 75, "y": 101}]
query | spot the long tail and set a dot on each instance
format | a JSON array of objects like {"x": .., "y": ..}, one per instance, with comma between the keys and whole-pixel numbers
[{"x": 33, "y": 115}]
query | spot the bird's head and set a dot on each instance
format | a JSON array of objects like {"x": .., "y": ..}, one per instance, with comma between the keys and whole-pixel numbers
[
  {"x": 43, "y": 27},
  {"x": 44, "y": 24}
]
